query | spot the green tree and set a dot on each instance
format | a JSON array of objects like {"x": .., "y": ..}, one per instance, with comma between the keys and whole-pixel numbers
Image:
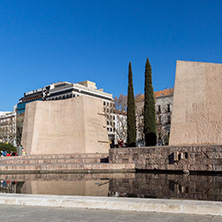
[
  {"x": 149, "y": 108},
  {"x": 131, "y": 117}
]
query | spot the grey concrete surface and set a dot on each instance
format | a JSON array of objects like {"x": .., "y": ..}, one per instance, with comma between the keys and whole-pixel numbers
[
  {"x": 115, "y": 203},
  {"x": 12, "y": 213}
]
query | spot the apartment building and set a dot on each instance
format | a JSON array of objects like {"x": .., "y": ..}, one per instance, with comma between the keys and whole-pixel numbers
[
  {"x": 8, "y": 127},
  {"x": 164, "y": 105},
  {"x": 66, "y": 90}
]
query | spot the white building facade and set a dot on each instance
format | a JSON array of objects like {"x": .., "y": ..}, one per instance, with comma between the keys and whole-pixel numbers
[
  {"x": 120, "y": 124},
  {"x": 8, "y": 127},
  {"x": 163, "y": 106}
]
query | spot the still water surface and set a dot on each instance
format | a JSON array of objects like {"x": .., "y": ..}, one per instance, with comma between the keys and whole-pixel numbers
[{"x": 140, "y": 185}]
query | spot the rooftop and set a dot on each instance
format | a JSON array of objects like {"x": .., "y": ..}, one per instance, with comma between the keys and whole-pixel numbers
[
  {"x": 157, "y": 94},
  {"x": 119, "y": 112}
]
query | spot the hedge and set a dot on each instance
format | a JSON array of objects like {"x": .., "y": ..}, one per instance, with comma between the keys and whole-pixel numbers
[{"x": 7, "y": 147}]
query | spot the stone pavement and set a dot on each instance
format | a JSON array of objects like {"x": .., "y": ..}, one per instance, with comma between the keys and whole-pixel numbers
[
  {"x": 11, "y": 213},
  {"x": 115, "y": 203}
]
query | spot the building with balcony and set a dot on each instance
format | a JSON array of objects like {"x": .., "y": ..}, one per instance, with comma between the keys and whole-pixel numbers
[
  {"x": 8, "y": 127},
  {"x": 164, "y": 105}
]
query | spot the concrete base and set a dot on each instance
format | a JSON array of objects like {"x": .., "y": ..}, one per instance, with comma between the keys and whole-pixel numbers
[
  {"x": 62, "y": 163},
  {"x": 112, "y": 203}
]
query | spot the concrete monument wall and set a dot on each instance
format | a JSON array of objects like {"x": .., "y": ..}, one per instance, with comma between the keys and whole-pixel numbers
[
  {"x": 75, "y": 125},
  {"x": 197, "y": 106}
]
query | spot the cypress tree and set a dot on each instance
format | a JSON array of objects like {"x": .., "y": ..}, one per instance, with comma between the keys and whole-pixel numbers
[
  {"x": 131, "y": 117},
  {"x": 149, "y": 108}
]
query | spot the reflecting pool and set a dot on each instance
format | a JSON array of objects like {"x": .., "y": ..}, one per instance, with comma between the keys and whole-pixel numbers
[{"x": 139, "y": 185}]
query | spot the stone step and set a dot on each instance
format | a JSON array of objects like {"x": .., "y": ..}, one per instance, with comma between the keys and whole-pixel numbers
[
  {"x": 89, "y": 162},
  {"x": 53, "y": 156},
  {"x": 85, "y": 167},
  {"x": 51, "y": 160}
]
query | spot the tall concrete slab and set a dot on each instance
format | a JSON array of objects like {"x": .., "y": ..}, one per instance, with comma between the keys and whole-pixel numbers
[
  {"x": 75, "y": 125},
  {"x": 197, "y": 105}
]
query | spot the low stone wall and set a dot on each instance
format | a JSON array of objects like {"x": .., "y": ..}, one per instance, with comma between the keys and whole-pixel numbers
[{"x": 192, "y": 158}]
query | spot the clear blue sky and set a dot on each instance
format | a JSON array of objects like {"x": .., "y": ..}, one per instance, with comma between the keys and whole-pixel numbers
[{"x": 45, "y": 41}]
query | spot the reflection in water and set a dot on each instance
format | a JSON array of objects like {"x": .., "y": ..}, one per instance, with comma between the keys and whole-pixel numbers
[
  {"x": 142, "y": 185},
  {"x": 77, "y": 188},
  {"x": 169, "y": 186},
  {"x": 11, "y": 186}
]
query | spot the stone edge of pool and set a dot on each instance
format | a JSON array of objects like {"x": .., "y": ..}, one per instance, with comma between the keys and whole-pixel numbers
[{"x": 115, "y": 203}]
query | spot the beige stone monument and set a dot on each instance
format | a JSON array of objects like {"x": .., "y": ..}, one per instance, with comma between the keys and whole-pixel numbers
[
  {"x": 197, "y": 106},
  {"x": 75, "y": 125}
]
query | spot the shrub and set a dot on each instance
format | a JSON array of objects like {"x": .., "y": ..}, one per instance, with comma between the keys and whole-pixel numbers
[{"x": 7, "y": 147}]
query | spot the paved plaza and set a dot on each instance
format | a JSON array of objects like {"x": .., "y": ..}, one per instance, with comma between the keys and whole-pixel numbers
[{"x": 40, "y": 214}]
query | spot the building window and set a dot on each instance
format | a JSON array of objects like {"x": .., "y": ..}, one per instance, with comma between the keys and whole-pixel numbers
[
  {"x": 168, "y": 107},
  {"x": 168, "y": 119},
  {"x": 104, "y": 103},
  {"x": 107, "y": 123},
  {"x": 159, "y": 109}
]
